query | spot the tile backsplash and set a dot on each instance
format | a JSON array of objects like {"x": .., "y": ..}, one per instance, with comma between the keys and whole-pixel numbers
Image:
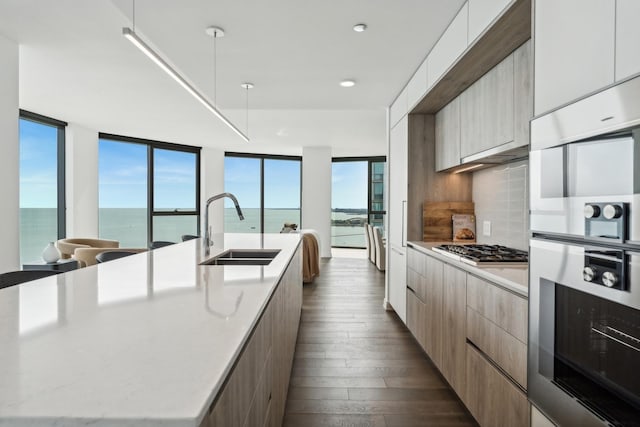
[{"x": 501, "y": 195}]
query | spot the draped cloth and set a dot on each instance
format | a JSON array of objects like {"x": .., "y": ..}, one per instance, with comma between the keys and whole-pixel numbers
[{"x": 310, "y": 258}]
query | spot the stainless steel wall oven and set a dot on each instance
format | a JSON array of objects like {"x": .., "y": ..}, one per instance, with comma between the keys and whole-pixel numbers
[{"x": 584, "y": 297}]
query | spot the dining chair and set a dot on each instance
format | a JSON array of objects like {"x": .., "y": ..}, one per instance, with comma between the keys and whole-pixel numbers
[
  {"x": 111, "y": 255},
  {"x": 12, "y": 278}
]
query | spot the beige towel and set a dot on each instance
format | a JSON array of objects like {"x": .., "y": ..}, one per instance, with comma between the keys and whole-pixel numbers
[{"x": 310, "y": 258}]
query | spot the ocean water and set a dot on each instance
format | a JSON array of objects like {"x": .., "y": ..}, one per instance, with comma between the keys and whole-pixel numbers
[
  {"x": 274, "y": 219},
  {"x": 38, "y": 227}
]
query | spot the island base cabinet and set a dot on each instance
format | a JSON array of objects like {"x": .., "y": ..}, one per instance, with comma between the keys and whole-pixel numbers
[
  {"x": 244, "y": 390},
  {"x": 255, "y": 392},
  {"x": 492, "y": 399},
  {"x": 287, "y": 302}
]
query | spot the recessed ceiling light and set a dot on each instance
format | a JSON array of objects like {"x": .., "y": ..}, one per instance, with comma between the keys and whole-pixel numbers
[
  {"x": 347, "y": 83},
  {"x": 214, "y": 31},
  {"x": 247, "y": 85},
  {"x": 358, "y": 28}
]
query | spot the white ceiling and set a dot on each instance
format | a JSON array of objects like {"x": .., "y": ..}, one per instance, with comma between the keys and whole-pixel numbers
[{"x": 76, "y": 66}]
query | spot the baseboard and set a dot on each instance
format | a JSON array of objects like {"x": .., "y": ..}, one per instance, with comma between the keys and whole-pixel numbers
[{"x": 386, "y": 305}]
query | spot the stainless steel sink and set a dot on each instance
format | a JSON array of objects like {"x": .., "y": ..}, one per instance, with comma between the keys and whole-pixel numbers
[{"x": 243, "y": 257}]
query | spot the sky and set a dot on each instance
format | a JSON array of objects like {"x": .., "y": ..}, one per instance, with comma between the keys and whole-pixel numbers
[
  {"x": 123, "y": 176},
  {"x": 282, "y": 183},
  {"x": 38, "y": 165}
]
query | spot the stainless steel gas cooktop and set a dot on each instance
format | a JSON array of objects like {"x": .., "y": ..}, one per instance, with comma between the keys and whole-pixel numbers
[{"x": 485, "y": 255}]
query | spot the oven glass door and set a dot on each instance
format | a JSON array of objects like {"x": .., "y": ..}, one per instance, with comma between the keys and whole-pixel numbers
[{"x": 597, "y": 354}]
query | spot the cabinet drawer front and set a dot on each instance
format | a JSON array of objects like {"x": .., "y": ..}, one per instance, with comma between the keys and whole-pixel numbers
[
  {"x": 507, "y": 310},
  {"x": 490, "y": 397},
  {"x": 417, "y": 261},
  {"x": 417, "y": 283},
  {"x": 504, "y": 349},
  {"x": 258, "y": 412},
  {"x": 416, "y": 317}
]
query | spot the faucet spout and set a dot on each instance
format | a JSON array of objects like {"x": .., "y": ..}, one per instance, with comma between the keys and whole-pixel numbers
[{"x": 207, "y": 228}]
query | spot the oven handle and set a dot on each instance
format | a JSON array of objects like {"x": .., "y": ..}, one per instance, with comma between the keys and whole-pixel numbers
[{"x": 616, "y": 339}]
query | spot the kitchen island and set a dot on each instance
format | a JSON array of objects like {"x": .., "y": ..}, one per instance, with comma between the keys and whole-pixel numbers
[{"x": 153, "y": 339}]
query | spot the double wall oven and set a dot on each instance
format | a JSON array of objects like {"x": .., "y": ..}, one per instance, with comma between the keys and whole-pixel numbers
[{"x": 584, "y": 312}]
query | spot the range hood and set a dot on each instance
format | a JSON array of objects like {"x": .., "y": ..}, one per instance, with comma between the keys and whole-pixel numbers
[{"x": 493, "y": 156}]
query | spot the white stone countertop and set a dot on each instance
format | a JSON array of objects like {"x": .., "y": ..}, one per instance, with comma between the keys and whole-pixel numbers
[
  {"x": 514, "y": 279},
  {"x": 145, "y": 340}
]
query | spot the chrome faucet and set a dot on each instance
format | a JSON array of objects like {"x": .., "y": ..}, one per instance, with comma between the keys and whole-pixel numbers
[{"x": 208, "y": 242}]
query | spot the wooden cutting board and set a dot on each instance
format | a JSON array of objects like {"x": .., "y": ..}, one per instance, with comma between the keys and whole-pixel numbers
[{"x": 436, "y": 219}]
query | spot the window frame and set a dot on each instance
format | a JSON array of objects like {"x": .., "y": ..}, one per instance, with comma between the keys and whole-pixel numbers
[
  {"x": 370, "y": 161},
  {"x": 262, "y": 158},
  {"x": 61, "y": 164},
  {"x": 151, "y": 145}
]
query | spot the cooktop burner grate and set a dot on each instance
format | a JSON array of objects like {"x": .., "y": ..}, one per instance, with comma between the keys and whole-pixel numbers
[{"x": 485, "y": 254}]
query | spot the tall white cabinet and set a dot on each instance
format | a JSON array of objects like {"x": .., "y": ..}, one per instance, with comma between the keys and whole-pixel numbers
[
  {"x": 582, "y": 46},
  {"x": 574, "y": 49},
  {"x": 627, "y": 38},
  {"x": 397, "y": 216}
]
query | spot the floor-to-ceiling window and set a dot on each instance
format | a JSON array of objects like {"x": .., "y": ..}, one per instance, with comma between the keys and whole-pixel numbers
[
  {"x": 148, "y": 190},
  {"x": 267, "y": 189},
  {"x": 42, "y": 197},
  {"x": 357, "y": 197}
]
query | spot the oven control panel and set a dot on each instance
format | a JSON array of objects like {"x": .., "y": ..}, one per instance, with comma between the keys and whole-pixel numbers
[
  {"x": 606, "y": 221},
  {"x": 605, "y": 267}
]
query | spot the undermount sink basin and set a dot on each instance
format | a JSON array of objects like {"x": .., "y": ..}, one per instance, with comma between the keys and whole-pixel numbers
[{"x": 243, "y": 257}]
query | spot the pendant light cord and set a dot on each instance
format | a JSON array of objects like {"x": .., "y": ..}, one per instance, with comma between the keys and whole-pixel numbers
[
  {"x": 215, "y": 74},
  {"x": 247, "y": 110}
]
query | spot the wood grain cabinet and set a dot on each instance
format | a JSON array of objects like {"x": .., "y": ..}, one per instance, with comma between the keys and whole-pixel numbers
[
  {"x": 487, "y": 110},
  {"x": 448, "y": 136},
  {"x": 425, "y": 302},
  {"x": 475, "y": 332},
  {"x": 454, "y": 335},
  {"x": 492, "y": 114},
  {"x": 255, "y": 392},
  {"x": 492, "y": 399}
]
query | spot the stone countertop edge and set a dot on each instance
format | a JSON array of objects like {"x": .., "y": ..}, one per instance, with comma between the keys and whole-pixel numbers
[
  {"x": 513, "y": 279},
  {"x": 115, "y": 346}
]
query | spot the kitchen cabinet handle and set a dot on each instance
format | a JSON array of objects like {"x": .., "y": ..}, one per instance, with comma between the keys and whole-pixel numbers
[
  {"x": 397, "y": 251},
  {"x": 403, "y": 240},
  {"x": 619, "y": 341}
]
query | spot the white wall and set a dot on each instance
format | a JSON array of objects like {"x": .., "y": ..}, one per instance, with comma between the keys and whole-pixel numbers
[
  {"x": 211, "y": 183},
  {"x": 81, "y": 181},
  {"x": 316, "y": 194},
  {"x": 9, "y": 158}
]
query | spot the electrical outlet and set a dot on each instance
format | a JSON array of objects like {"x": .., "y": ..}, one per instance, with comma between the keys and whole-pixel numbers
[{"x": 486, "y": 228}]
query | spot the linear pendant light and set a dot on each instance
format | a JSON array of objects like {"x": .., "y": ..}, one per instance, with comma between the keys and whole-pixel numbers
[{"x": 140, "y": 44}]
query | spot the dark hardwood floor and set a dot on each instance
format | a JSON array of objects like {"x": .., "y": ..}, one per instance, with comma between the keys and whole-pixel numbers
[{"x": 357, "y": 365}]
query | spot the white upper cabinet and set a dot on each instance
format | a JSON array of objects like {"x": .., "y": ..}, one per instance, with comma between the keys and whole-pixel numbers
[
  {"x": 574, "y": 49},
  {"x": 627, "y": 38},
  {"x": 398, "y": 109},
  {"x": 482, "y": 13},
  {"x": 417, "y": 86},
  {"x": 450, "y": 46}
]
